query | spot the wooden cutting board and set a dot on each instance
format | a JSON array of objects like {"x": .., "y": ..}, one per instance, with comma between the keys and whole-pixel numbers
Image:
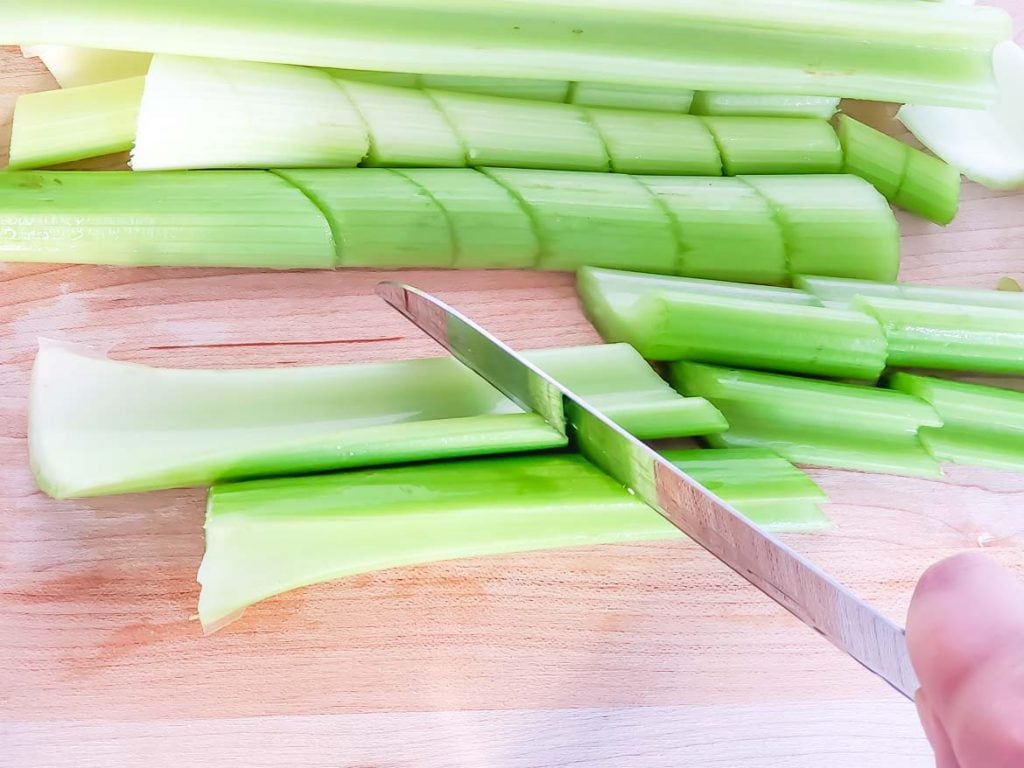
[{"x": 636, "y": 656}]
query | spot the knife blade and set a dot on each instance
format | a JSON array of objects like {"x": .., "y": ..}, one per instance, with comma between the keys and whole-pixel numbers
[{"x": 784, "y": 575}]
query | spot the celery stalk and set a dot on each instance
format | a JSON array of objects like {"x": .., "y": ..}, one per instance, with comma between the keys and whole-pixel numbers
[
  {"x": 764, "y": 105},
  {"x": 656, "y": 142},
  {"x": 756, "y": 145},
  {"x": 815, "y": 422},
  {"x": 923, "y": 334},
  {"x": 98, "y": 426},
  {"x": 653, "y": 99},
  {"x": 507, "y": 87},
  {"x": 899, "y": 51},
  {"x": 52, "y": 127},
  {"x": 981, "y": 425},
  {"x": 837, "y": 291},
  {"x": 270, "y": 536},
  {"x": 72, "y": 67}
]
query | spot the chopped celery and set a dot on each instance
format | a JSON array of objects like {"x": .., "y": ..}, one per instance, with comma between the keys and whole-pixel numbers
[
  {"x": 489, "y": 226},
  {"x": 53, "y": 127},
  {"x": 204, "y": 113},
  {"x": 524, "y": 134},
  {"x": 726, "y": 230},
  {"x": 837, "y": 227},
  {"x": 98, "y": 426},
  {"x": 657, "y": 142},
  {"x": 981, "y": 425},
  {"x": 840, "y": 291},
  {"x": 406, "y": 127},
  {"x": 758, "y": 145},
  {"x": 72, "y": 67},
  {"x": 379, "y": 217},
  {"x": 763, "y": 104},
  {"x": 653, "y": 99},
  {"x": 923, "y": 334},
  {"x": 920, "y": 183},
  {"x": 507, "y": 87},
  {"x": 898, "y": 51},
  {"x": 394, "y": 79},
  {"x": 599, "y": 219},
  {"x": 177, "y": 218},
  {"x": 815, "y": 422},
  {"x": 266, "y": 537}
]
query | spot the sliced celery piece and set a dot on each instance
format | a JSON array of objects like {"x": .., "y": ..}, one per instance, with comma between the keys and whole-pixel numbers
[
  {"x": 52, "y": 127},
  {"x": 269, "y": 536},
  {"x": 406, "y": 127},
  {"x": 726, "y": 230},
  {"x": 595, "y": 218},
  {"x": 379, "y": 218},
  {"x": 842, "y": 292},
  {"x": 930, "y": 188},
  {"x": 953, "y": 337},
  {"x": 73, "y": 67},
  {"x": 981, "y": 425},
  {"x": 608, "y": 295},
  {"x": 524, "y": 134},
  {"x": 176, "y": 218},
  {"x": 815, "y": 422},
  {"x": 899, "y": 51},
  {"x": 659, "y": 99},
  {"x": 840, "y": 226},
  {"x": 775, "y": 145},
  {"x": 392, "y": 79},
  {"x": 764, "y": 104},
  {"x": 507, "y": 87},
  {"x": 206, "y": 113},
  {"x": 657, "y": 142},
  {"x": 489, "y": 226}
]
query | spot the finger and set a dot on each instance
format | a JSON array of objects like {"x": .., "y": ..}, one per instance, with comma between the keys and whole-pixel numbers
[
  {"x": 937, "y": 737},
  {"x": 985, "y": 722}
]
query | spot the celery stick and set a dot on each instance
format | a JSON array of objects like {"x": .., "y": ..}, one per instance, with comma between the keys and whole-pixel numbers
[
  {"x": 54, "y": 127},
  {"x": 726, "y": 230},
  {"x": 815, "y": 422},
  {"x": 981, "y": 425},
  {"x": 379, "y": 218},
  {"x": 177, "y": 218},
  {"x": 392, "y": 79},
  {"x": 72, "y": 67},
  {"x": 610, "y": 295},
  {"x": 489, "y": 226},
  {"x": 839, "y": 291},
  {"x": 764, "y": 105},
  {"x": 597, "y": 219},
  {"x": 839, "y": 227},
  {"x": 406, "y": 127},
  {"x": 506, "y": 87},
  {"x": 657, "y": 143},
  {"x": 99, "y": 426},
  {"x": 270, "y": 536},
  {"x": 923, "y": 334},
  {"x": 775, "y": 145},
  {"x": 899, "y": 51},
  {"x": 930, "y": 188},
  {"x": 656, "y": 99}
]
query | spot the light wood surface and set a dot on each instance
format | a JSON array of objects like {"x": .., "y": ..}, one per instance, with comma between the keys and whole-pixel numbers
[{"x": 639, "y": 656}]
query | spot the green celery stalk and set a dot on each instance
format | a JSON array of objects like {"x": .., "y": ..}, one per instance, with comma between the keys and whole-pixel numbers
[
  {"x": 72, "y": 66},
  {"x": 52, "y": 127},
  {"x": 837, "y": 291},
  {"x": 638, "y": 97},
  {"x": 656, "y": 142},
  {"x": 923, "y": 334},
  {"x": 98, "y": 426},
  {"x": 813, "y": 422},
  {"x": 981, "y": 425},
  {"x": 897, "y": 51},
  {"x": 269, "y": 536},
  {"x": 917, "y": 182},
  {"x": 779, "y": 145},
  {"x": 507, "y": 87},
  {"x": 763, "y": 104}
]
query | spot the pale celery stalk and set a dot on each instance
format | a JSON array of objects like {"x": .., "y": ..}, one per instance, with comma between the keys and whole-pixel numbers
[
  {"x": 73, "y": 66},
  {"x": 52, "y": 127},
  {"x": 270, "y": 536},
  {"x": 813, "y": 422},
  {"x": 98, "y": 426},
  {"x": 654, "y": 99},
  {"x": 899, "y": 51},
  {"x": 837, "y": 291},
  {"x": 981, "y": 425},
  {"x": 766, "y": 105}
]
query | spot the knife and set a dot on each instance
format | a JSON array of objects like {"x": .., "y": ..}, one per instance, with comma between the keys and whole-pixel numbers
[{"x": 783, "y": 574}]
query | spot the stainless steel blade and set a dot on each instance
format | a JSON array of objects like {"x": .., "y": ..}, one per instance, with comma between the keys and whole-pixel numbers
[{"x": 780, "y": 572}]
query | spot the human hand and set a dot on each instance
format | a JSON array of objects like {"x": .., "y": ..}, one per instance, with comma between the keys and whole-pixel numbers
[{"x": 966, "y": 636}]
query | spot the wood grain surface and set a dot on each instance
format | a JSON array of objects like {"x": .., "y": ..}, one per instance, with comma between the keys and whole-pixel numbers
[{"x": 639, "y": 656}]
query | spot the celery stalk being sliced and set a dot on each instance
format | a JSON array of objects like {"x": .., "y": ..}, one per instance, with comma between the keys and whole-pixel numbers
[
  {"x": 838, "y": 291},
  {"x": 764, "y": 104},
  {"x": 899, "y": 51},
  {"x": 815, "y": 422},
  {"x": 269, "y": 536},
  {"x": 981, "y": 425},
  {"x": 99, "y": 426},
  {"x": 73, "y": 66},
  {"x": 656, "y": 142},
  {"x": 52, "y": 127},
  {"x": 775, "y": 145}
]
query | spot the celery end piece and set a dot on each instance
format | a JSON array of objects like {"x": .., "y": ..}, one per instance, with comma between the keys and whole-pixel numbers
[
  {"x": 657, "y": 143},
  {"x": 652, "y": 99},
  {"x": 775, "y": 145},
  {"x": 52, "y": 127},
  {"x": 74, "y": 67},
  {"x": 763, "y": 105}
]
